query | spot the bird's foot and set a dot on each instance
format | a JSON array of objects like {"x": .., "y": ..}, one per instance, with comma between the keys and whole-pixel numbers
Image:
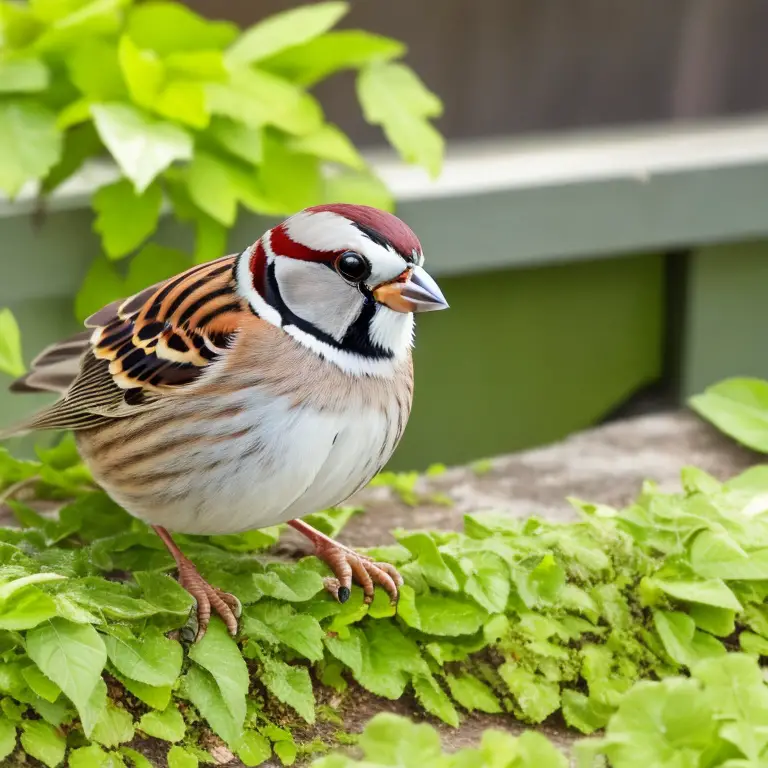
[
  {"x": 208, "y": 599},
  {"x": 347, "y": 565}
]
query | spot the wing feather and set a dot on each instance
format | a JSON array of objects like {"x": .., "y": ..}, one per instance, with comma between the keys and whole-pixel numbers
[{"x": 138, "y": 349}]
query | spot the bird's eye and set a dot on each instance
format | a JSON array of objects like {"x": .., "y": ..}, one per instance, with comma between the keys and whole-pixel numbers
[{"x": 353, "y": 267}]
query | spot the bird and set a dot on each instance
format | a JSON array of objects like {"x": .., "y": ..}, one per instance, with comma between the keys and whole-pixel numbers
[{"x": 250, "y": 390}]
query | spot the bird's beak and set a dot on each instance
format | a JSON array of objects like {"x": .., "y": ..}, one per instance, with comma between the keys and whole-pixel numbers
[{"x": 413, "y": 291}]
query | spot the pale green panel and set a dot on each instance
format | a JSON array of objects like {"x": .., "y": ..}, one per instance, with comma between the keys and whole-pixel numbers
[
  {"x": 726, "y": 323},
  {"x": 524, "y": 357}
]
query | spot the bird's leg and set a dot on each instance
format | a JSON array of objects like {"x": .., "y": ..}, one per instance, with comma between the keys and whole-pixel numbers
[
  {"x": 346, "y": 564},
  {"x": 207, "y": 597}
]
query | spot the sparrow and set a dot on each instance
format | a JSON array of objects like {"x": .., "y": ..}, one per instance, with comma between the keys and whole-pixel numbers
[{"x": 251, "y": 390}]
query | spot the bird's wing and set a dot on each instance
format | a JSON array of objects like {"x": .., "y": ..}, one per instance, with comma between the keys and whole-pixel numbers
[{"x": 139, "y": 349}]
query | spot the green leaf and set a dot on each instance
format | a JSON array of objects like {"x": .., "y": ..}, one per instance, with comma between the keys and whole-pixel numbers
[
  {"x": 167, "y": 28},
  {"x": 712, "y": 592},
  {"x": 125, "y": 219},
  {"x": 473, "y": 694},
  {"x": 218, "y": 653},
  {"x": 7, "y": 737},
  {"x": 537, "y": 697},
  {"x": 717, "y": 621},
  {"x": 487, "y": 580},
  {"x": 300, "y": 632},
  {"x": 137, "y": 759},
  {"x": 682, "y": 641},
  {"x": 152, "y": 658},
  {"x": 434, "y": 700},
  {"x": 358, "y": 188},
  {"x": 115, "y": 726},
  {"x": 179, "y": 757},
  {"x": 143, "y": 71},
  {"x": 152, "y": 264},
  {"x": 738, "y": 407},
  {"x": 329, "y": 143},
  {"x": 201, "y": 689},
  {"x": 141, "y": 146},
  {"x": 290, "y": 180},
  {"x": 95, "y": 70},
  {"x": 23, "y": 76},
  {"x": 242, "y": 141},
  {"x": 717, "y": 556},
  {"x": 254, "y": 749},
  {"x": 11, "y": 362},
  {"x": 30, "y": 144},
  {"x": 393, "y": 740},
  {"x": 347, "y": 49},
  {"x": 291, "y": 685},
  {"x": 168, "y": 725},
  {"x": 284, "y": 30},
  {"x": 258, "y": 98},
  {"x": 94, "y": 757},
  {"x": 248, "y": 541},
  {"x": 448, "y": 616},
  {"x": 101, "y": 285},
  {"x": 212, "y": 187},
  {"x": 393, "y": 96},
  {"x": 40, "y": 684},
  {"x": 72, "y": 655},
  {"x": 26, "y": 608},
  {"x": 43, "y": 742},
  {"x": 431, "y": 563},
  {"x": 292, "y": 583}
]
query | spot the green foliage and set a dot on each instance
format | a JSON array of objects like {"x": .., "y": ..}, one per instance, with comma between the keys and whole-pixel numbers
[
  {"x": 523, "y": 617},
  {"x": 195, "y": 112},
  {"x": 738, "y": 407},
  {"x": 10, "y": 345}
]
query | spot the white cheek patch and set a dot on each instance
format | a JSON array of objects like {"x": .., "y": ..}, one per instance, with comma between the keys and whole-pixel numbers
[
  {"x": 249, "y": 293},
  {"x": 318, "y": 295},
  {"x": 392, "y": 331}
]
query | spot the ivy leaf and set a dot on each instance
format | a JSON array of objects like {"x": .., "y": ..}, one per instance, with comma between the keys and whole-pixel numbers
[
  {"x": 201, "y": 689},
  {"x": 43, "y": 742},
  {"x": 125, "y": 219},
  {"x": 294, "y": 584},
  {"x": 23, "y": 76},
  {"x": 143, "y": 71},
  {"x": 167, "y": 28},
  {"x": 179, "y": 757},
  {"x": 141, "y": 146},
  {"x": 168, "y": 725},
  {"x": 11, "y": 362},
  {"x": 72, "y": 655},
  {"x": 393, "y": 96},
  {"x": 284, "y": 30},
  {"x": 30, "y": 144},
  {"x": 473, "y": 694},
  {"x": 152, "y": 658},
  {"x": 307, "y": 64},
  {"x": 94, "y": 70},
  {"x": 738, "y": 407},
  {"x": 7, "y": 737},
  {"x": 291, "y": 685},
  {"x": 218, "y": 653}
]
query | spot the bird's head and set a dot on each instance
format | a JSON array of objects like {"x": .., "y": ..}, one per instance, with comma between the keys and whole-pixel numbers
[{"x": 344, "y": 280}]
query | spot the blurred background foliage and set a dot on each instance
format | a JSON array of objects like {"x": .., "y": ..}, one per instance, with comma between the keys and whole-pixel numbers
[{"x": 199, "y": 118}]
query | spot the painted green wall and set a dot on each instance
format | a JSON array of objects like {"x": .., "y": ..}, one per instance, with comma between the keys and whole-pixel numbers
[{"x": 524, "y": 357}]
